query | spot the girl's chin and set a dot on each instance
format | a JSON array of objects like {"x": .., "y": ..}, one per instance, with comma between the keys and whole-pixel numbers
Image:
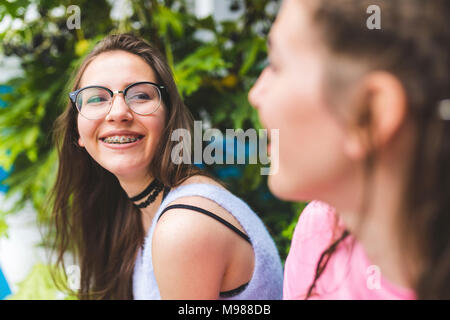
[
  {"x": 127, "y": 172},
  {"x": 278, "y": 186},
  {"x": 283, "y": 188}
]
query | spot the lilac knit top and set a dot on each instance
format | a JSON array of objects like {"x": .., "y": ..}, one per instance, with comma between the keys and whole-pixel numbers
[{"x": 267, "y": 279}]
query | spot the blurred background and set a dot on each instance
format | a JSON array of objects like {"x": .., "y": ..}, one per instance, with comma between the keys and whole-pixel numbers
[{"x": 216, "y": 49}]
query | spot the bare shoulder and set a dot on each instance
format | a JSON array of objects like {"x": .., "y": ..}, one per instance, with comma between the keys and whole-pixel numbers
[
  {"x": 190, "y": 253},
  {"x": 181, "y": 231},
  {"x": 193, "y": 230},
  {"x": 200, "y": 219},
  {"x": 195, "y": 255},
  {"x": 189, "y": 229}
]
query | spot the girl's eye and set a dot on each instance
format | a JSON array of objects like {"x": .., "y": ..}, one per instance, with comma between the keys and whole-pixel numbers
[
  {"x": 96, "y": 99},
  {"x": 140, "y": 96}
]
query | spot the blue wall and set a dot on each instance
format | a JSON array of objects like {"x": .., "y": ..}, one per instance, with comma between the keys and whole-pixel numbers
[
  {"x": 4, "y": 288},
  {"x": 3, "y": 174}
]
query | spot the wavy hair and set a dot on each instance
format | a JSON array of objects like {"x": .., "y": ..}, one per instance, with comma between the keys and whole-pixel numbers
[
  {"x": 412, "y": 45},
  {"x": 93, "y": 219}
]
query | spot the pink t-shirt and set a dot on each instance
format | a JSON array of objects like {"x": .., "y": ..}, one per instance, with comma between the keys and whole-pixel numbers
[{"x": 348, "y": 274}]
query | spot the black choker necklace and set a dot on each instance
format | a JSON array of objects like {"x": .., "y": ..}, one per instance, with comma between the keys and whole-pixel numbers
[{"x": 153, "y": 190}]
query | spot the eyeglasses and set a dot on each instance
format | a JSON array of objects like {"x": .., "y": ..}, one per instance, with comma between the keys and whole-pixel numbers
[{"x": 95, "y": 102}]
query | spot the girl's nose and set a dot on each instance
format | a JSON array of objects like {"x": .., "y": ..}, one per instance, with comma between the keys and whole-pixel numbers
[
  {"x": 119, "y": 109},
  {"x": 257, "y": 91}
]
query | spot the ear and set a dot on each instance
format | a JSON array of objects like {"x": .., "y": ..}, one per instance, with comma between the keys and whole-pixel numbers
[
  {"x": 80, "y": 142},
  {"x": 381, "y": 111}
]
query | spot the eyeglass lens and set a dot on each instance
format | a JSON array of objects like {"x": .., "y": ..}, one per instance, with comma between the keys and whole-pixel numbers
[{"x": 95, "y": 102}]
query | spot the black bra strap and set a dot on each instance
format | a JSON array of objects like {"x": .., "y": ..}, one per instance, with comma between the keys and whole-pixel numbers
[
  {"x": 208, "y": 213},
  {"x": 234, "y": 292}
]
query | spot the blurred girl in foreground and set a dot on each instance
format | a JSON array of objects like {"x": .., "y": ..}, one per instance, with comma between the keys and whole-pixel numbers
[{"x": 364, "y": 121}]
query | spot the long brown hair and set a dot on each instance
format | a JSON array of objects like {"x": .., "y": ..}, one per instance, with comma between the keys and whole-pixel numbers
[
  {"x": 413, "y": 45},
  {"x": 93, "y": 218}
]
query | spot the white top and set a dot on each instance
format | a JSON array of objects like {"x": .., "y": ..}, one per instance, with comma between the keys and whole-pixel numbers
[{"x": 267, "y": 279}]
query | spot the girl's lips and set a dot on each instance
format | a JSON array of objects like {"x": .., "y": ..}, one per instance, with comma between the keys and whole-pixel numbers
[
  {"x": 121, "y": 133},
  {"x": 118, "y": 146}
]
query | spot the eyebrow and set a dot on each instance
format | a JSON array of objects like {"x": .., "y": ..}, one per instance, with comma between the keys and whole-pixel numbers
[{"x": 103, "y": 85}]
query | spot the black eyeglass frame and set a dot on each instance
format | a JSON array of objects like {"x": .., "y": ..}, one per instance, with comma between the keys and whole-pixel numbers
[{"x": 162, "y": 94}]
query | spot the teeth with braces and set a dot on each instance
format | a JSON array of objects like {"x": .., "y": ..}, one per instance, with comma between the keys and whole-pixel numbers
[{"x": 120, "y": 140}]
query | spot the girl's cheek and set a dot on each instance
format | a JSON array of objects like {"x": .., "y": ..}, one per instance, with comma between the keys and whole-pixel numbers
[{"x": 86, "y": 130}]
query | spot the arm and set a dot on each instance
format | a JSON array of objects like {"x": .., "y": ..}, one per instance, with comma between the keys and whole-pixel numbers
[{"x": 190, "y": 254}]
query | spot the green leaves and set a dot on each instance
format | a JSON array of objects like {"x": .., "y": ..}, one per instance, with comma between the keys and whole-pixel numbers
[
  {"x": 38, "y": 285},
  {"x": 191, "y": 72},
  {"x": 14, "y": 8},
  {"x": 166, "y": 19},
  {"x": 3, "y": 226},
  {"x": 252, "y": 49}
]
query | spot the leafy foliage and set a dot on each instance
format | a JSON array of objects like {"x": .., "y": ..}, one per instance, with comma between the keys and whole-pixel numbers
[
  {"x": 38, "y": 285},
  {"x": 213, "y": 75}
]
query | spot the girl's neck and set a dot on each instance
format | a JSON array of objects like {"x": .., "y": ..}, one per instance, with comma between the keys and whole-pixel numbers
[
  {"x": 134, "y": 186},
  {"x": 375, "y": 220}
]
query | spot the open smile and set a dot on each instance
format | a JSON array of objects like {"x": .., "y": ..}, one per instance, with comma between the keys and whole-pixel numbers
[
  {"x": 125, "y": 139},
  {"x": 120, "y": 145},
  {"x": 121, "y": 139}
]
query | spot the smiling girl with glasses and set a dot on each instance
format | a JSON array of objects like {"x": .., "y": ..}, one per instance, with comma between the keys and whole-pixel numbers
[{"x": 139, "y": 225}]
